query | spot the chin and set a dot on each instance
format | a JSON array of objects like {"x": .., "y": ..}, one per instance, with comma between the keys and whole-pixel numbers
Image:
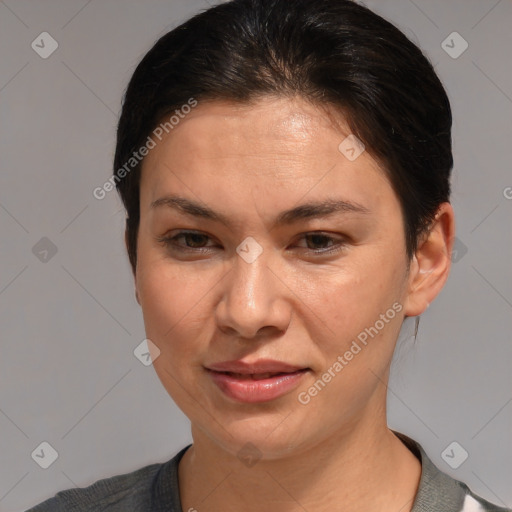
[{"x": 266, "y": 437}]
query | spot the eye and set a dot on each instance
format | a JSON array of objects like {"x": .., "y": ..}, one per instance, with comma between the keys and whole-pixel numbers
[
  {"x": 321, "y": 243},
  {"x": 318, "y": 239},
  {"x": 186, "y": 241}
]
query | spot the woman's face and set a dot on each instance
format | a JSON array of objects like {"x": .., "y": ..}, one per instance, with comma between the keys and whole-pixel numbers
[{"x": 267, "y": 248}]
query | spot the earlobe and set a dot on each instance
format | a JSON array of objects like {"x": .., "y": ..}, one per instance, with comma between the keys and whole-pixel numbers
[{"x": 431, "y": 263}]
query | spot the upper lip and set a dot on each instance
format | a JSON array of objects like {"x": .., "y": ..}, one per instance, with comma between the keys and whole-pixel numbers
[{"x": 256, "y": 367}]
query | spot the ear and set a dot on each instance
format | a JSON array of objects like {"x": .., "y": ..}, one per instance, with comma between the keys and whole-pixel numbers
[
  {"x": 134, "y": 273},
  {"x": 431, "y": 262}
]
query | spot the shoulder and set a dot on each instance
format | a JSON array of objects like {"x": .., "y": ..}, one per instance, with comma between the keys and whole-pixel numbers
[
  {"x": 129, "y": 491},
  {"x": 439, "y": 492},
  {"x": 147, "y": 488},
  {"x": 473, "y": 503}
]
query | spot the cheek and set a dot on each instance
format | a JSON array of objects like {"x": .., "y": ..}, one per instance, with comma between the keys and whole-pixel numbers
[
  {"x": 174, "y": 305},
  {"x": 353, "y": 293},
  {"x": 360, "y": 303},
  {"x": 359, "y": 326}
]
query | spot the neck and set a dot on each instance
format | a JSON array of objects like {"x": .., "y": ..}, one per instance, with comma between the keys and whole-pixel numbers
[{"x": 365, "y": 468}]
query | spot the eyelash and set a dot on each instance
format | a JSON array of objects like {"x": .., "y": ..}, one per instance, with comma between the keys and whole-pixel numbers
[{"x": 171, "y": 242}]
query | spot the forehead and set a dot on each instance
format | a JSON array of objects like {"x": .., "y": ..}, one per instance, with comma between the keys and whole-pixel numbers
[
  {"x": 292, "y": 118},
  {"x": 273, "y": 143}
]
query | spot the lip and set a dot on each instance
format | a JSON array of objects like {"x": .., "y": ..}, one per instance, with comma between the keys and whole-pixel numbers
[
  {"x": 249, "y": 382},
  {"x": 259, "y": 366}
]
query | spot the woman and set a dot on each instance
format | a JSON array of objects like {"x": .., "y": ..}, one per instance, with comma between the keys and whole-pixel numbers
[{"x": 285, "y": 167}]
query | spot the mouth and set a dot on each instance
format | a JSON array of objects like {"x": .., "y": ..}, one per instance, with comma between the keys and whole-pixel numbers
[
  {"x": 252, "y": 385},
  {"x": 259, "y": 367},
  {"x": 257, "y": 376}
]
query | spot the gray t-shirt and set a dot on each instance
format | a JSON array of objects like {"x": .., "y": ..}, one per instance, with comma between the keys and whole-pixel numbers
[{"x": 155, "y": 488}]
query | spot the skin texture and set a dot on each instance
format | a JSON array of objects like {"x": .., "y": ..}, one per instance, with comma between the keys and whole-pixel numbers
[{"x": 205, "y": 304}]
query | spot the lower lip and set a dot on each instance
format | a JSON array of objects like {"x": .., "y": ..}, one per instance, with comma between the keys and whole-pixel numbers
[{"x": 255, "y": 391}]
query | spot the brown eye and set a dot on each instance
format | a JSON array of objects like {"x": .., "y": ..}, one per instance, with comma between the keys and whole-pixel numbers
[
  {"x": 317, "y": 241},
  {"x": 320, "y": 244},
  {"x": 194, "y": 240},
  {"x": 186, "y": 241}
]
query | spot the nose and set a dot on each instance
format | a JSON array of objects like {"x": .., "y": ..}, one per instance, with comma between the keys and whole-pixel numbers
[{"x": 253, "y": 301}]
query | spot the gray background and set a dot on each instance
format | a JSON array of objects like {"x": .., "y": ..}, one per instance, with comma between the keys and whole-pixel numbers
[{"x": 69, "y": 325}]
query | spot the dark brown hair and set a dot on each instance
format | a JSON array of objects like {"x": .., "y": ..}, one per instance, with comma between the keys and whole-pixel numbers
[{"x": 335, "y": 53}]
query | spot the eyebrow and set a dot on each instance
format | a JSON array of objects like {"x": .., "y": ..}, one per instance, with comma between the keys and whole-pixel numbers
[{"x": 310, "y": 210}]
